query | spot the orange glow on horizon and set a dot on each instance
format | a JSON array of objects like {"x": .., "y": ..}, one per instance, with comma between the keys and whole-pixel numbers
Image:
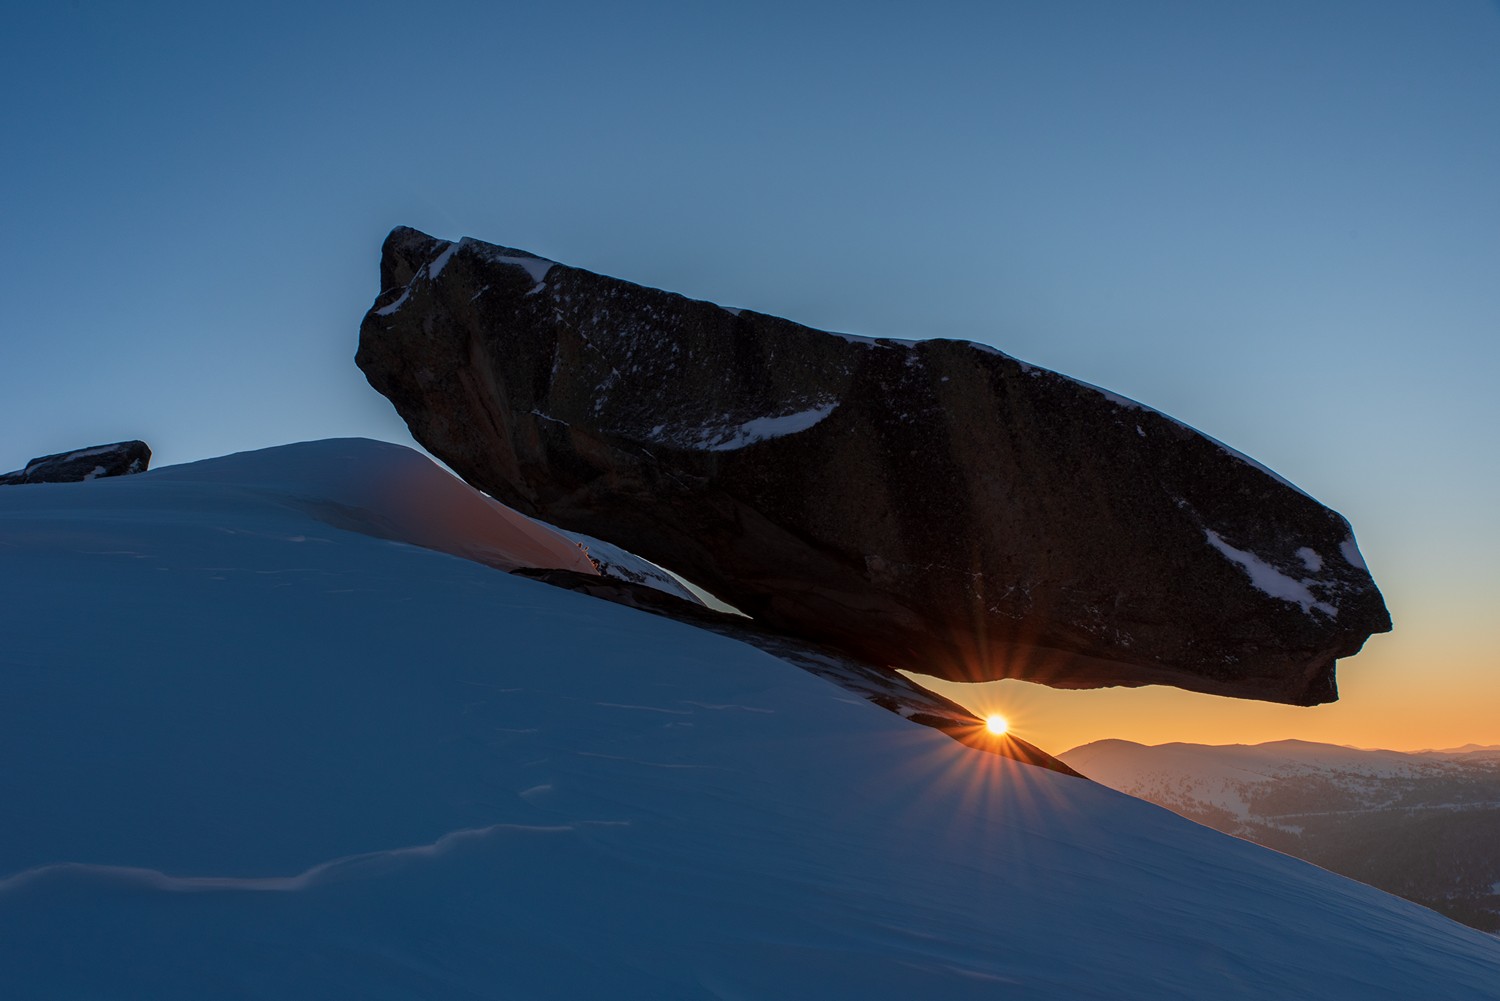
[{"x": 1430, "y": 684}]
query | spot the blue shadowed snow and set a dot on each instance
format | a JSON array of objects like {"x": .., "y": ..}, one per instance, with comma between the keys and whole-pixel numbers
[{"x": 245, "y": 752}]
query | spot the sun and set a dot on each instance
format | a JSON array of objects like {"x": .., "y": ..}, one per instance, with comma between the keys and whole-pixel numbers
[{"x": 996, "y": 724}]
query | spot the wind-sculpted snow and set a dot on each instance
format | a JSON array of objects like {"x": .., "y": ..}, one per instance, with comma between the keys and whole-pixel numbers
[
  {"x": 388, "y": 492},
  {"x": 343, "y": 765},
  {"x": 332, "y": 871}
]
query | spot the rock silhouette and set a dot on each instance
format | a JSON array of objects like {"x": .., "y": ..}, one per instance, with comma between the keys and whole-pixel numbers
[
  {"x": 936, "y": 506},
  {"x": 120, "y": 459}
]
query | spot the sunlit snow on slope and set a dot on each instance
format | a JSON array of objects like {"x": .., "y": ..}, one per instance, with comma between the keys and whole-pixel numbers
[
  {"x": 612, "y": 561},
  {"x": 252, "y": 753},
  {"x": 536, "y": 267},
  {"x": 389, "y": 492}
]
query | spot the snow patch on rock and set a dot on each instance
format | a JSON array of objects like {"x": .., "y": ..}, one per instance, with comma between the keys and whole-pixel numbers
[
  {"x": 729, "y": 433},
  {"x": 438, "y": 263},
  {"x": 612, "y": 561},
  {"x": 1349, "y": 549},
  {"x": 1269, "y": 580},
  {"x": 536, "y": 267},
  {"x": 1310, "y": 558},
  {"x": 872, "y": 342},
  {"x": 400, "y": 301}
]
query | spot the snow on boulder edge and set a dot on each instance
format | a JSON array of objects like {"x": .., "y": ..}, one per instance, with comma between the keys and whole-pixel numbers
[{"x": 935, "y": 506}]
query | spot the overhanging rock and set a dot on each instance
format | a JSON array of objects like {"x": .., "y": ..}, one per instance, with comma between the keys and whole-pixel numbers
[{"x": 936, "y": 506}]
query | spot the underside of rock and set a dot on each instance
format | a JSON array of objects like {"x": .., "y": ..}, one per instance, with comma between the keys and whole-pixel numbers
[
  {"x": 120, "y": 459},
  {"x": 936, "y": 506}
]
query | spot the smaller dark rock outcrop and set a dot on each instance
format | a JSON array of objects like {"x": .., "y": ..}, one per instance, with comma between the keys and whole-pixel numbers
[{"x": 120, "y": 459}]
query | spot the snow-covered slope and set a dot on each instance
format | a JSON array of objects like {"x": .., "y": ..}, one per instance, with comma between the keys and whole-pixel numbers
[
  {"x": 372, "y": 488},
  {"x": 249, "y": 748}
]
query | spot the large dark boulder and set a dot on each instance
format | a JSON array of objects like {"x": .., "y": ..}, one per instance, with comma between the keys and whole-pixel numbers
[
  {"x": 936, "y": 506},
  {"x": 120, "y": 459}
]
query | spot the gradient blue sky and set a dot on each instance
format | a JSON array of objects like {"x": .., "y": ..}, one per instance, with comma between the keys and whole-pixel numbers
[{"x": 1276, "y": 221}]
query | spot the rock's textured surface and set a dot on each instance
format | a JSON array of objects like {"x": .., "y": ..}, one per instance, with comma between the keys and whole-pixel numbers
[
  {"x": 120, "y": 459},
  {"x": 936, "y": 506}
]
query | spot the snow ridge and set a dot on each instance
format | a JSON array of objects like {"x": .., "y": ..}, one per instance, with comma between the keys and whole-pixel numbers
[{"x": 327, "y": 687}]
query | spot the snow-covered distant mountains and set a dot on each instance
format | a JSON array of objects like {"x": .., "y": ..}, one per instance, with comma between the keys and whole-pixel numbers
[
  {"x": 263, "y": 735},
  {"x": 1425, "y": 825}
]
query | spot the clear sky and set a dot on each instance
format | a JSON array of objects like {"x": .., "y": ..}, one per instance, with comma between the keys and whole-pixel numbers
[{"x": 1276, "y": 221}]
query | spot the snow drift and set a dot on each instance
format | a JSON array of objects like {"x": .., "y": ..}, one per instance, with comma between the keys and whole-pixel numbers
[{"x": 253, "y": 746}]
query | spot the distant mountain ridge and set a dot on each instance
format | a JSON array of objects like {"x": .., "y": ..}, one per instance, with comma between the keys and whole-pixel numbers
[
  {"x": 1466, "y": 749},
  {"x": 1422, "y": 824}
]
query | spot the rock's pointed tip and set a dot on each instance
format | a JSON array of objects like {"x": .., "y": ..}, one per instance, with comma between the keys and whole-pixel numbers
[{"x": 404, "y": 251}]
